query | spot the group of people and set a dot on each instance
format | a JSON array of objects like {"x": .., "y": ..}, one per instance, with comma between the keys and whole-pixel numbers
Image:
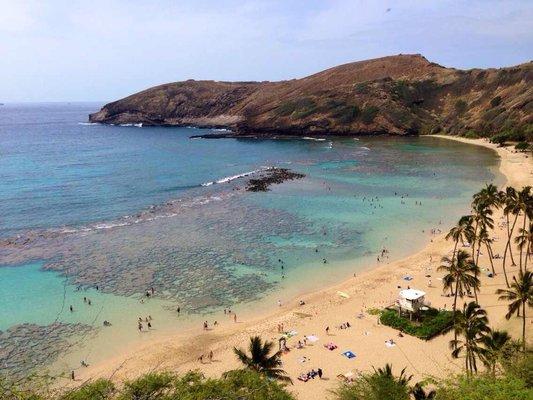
[
  {"x": 384, "y": 254},
  {"x": 140, "y": 323},
  {"x": 206, "y": 357},
  {"x": 304, "y": 377}
]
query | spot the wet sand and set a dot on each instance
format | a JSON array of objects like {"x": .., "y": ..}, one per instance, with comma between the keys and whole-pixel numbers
[{"x": 374, "y": 288}]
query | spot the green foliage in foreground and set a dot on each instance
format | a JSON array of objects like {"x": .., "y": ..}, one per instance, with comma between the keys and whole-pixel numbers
[
  {"x": 382, "y": 384},
  {"x": 432, "y": 323},
  {"x": 484, "y": 387},
  {"x": 235, "y": 385}
]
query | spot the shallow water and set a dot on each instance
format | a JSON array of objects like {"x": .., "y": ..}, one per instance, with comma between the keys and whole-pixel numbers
[{"x": 124, "y": 209}]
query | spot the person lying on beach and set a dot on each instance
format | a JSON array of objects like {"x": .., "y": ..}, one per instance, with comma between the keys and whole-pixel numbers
[{"x": 330, "y": 346}]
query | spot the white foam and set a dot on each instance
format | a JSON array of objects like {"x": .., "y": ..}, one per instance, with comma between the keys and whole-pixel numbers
[
  {"x": 233, "y": 177},
  {"x": 88, "y": 123},
  {"x": 139, "y": 125},
  {"x": 315, "y": 139}
]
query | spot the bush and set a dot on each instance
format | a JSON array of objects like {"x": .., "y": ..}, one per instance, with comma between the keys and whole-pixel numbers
[
  {"x": 522, "y": 146},
  {"x": 520, "y": 366},
  {"x": 379, "y": 385},
  {"x": 471, "y": 134},
  {"x": 300, "y": 108},
  {"x": 460, "y": 106},
  {"x": 432, "y": 323},
  {"x": 368, "y": 114},
  {"x": 496, "y": 101},
  {"x": 484, "y": 387},
  {"x": 346, "y": 114},
  {"x": 101, "y": 389}
]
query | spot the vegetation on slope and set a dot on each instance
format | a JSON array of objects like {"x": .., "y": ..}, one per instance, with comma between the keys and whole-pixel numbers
[{"x": 404, "y": 94}]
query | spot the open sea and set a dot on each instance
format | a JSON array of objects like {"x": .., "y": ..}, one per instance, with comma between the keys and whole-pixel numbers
[{"x": 107, "y": 213}]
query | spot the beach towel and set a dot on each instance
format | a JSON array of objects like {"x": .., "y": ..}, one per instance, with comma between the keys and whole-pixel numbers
[
  {"x": 348, "y": 354},
  {"x": 343, "y": 294},
  {"x": 389, "y": 344},
  {"x": 312, "y": 338},
  {"x": 290, "y": 334},
  {"x": 407, "y": 278}
]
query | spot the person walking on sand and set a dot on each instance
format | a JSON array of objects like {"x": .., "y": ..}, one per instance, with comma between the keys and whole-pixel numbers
[
  {"x": 235, "y": 318},
  {"x": 327, "y": 330},
  {"x": 320, "y": 373},
  {"x": 211, "y": 355},
  {"x": 72, "y": 375}
]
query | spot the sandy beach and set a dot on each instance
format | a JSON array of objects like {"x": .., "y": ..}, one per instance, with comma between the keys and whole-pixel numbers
[{"x": 374, "y": 288}]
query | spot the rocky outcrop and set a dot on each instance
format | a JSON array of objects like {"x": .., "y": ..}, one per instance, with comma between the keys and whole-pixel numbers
[{"x": 404, "y": 94}]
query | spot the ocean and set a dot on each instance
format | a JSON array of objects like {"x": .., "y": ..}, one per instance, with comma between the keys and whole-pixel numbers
[{"x": 108, "y": 213}]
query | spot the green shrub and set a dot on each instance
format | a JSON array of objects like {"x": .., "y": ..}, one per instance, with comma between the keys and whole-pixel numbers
[
  {"x": 149, "y": 386},
  {"x": 482, "y": 387},
  {"x": 460, "y": 106},
  {"x": 496, "y": 101},
  {"x": 522, "y": 134},
  {"x": 520, "y": 365},
  {"x": 300, "y": 108},
  {"x": 522, "y": 146},
  {"x": 368, "y": 114},
  {"x": 471, "y": 134},
  {"x": 362, "y": 88},
  {"x": 432, "y": 323},
  {"x": 379, "y": 385},
  {"x": 101, "y": 389},
  {"x": 346, "y": 114}
]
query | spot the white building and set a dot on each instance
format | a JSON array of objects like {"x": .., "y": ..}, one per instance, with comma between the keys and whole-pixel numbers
[{"x": 411, "y": 299}]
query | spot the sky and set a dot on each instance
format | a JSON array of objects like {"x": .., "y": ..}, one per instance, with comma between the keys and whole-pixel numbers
[{"x": 97, "y": 50}]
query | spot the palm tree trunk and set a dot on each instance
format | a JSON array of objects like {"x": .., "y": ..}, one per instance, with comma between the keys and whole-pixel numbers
[
  {"x": 524, "y": 326},
  {"x": 477, "y": 259},
  {"x": 522, "y": 248},
  {"x": 455, "y": 309},
  {"x": 510, "y": 237},
  {"x": 528, "y": 254},
  {"x": 489, "y": 251},
  {"x": 474, "y": 240},
  {"x": 508, "y": 247},
  {"x": 455, "y": 250}
]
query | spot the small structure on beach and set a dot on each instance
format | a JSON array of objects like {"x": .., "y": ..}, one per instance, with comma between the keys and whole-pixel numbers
[{"x": 411, "y": 300}]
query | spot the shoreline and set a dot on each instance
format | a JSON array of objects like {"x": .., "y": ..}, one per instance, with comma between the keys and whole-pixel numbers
[{"x": 378, "y": 285}]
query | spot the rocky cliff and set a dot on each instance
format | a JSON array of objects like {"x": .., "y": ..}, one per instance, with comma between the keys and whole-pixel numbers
[{"x": 404, "y": 94}]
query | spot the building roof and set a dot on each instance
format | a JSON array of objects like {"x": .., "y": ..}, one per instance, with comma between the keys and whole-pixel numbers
[{"x": 412, "y": 294}]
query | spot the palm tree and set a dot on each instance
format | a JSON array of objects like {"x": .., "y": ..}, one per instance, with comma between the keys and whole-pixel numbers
[
  {"x": 460, "y": 275},
  {"x": 460, "y": 232},
  {"x": 525, "y": 205},
  {"x": 471, "y": 324},
  {"x": 260, "y": 359},
  {"x": 494, "y": 345},
  {"x": 519, "y": 294},
  {"x": 386, "y": 372},
  {"x": 420, "y": 394},
  {"x": 512, "y": 207},
  {"x": 489, "y": 195},
  {"x": 525, "y": 240},
  {"x": 485, "y": 239}
]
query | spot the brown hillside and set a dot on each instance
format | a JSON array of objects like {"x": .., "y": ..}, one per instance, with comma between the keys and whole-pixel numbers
[{"x": 404, "y": 94}]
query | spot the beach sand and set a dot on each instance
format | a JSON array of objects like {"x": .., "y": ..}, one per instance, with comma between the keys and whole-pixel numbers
[{"x": 374, "y": 288}]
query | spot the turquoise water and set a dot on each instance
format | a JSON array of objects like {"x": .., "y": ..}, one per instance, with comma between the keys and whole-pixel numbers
[{"x": 124, "y": 209}]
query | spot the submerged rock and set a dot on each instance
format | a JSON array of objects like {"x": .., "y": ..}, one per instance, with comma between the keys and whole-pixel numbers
[{"x": 273, "y": 176}]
